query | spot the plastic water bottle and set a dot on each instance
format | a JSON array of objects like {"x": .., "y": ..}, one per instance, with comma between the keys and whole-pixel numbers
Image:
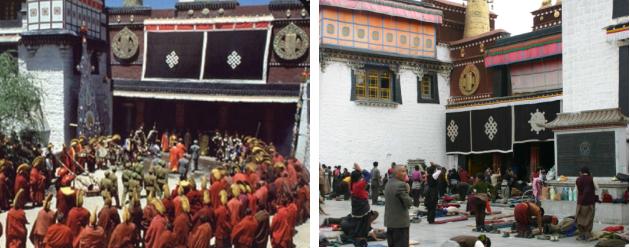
[
  {"x": 552, "y": 193},
  {"x": 571, "y": 194},
  {"x": 575, "y": 193}
]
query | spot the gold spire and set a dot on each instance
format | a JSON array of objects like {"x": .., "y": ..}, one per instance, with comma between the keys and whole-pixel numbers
[{"x": 477, "y": 18}]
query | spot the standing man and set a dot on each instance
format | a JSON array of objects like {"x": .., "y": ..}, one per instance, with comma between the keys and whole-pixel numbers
[
  {"x": 397, "y": 204},
  {"x": 430, "y": 200},
  {"x": 376, "y": 183},
  {"x": 195, "y": 149},
  {"x": 585, "y": 210}
]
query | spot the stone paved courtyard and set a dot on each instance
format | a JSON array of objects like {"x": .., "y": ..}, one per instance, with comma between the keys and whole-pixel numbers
[{"x": 437, "y": 235}]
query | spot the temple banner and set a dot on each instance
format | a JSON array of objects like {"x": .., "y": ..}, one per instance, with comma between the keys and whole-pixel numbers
[
  {"x": 529, "y": 121},
  {"x": 491, "y": 130},
  {"x": 236, "y": 55},
  {"x": 174, "y": 55},
  {"x": 458, "y": 132}
]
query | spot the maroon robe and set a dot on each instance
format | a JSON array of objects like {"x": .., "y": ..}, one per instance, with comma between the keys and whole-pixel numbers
[
  {"x": 282, "y": 229},
  {"x": 147, "y": 215},
  {"x": 166, "y": 240},
  {"x": 205, "y": 211},
  {"x": 234, "y": 206},
  {"x": 16, "y": 228},
  {"x": 244, "y": 232},
  {"x": 65, "y": 203},
  {"x": 78, "y": 218},
  {"x": 44, "y": 220},
  {"x": 181, "y": 229},
  {"x": 223, "y": 226},
  {"x": 38, "y": 186},
  {"x": 200, "y": 236},
  {"x": 5, "y": 192},
  {"x": 90, "y": 237},
  {"x": 123, "y": 237},
  {"x": 22, "y": 183},
  {"x": 215, "y": 189},
  {"x": 58, "y": 236},
  {"x": 262, "y": 233},
  {"x": 195, "y": 198},
  {"x": 108, "y": 219},
  {"x": 156, "y": 228}
]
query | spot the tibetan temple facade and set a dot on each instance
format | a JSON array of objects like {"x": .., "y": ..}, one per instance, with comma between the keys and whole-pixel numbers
[
  {"x": 435, "y": 81},
  {"x": 199, "y": 67},
  {"x": 383, "y": 82}
]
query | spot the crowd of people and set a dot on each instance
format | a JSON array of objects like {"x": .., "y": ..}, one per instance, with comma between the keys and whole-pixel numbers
[
  {"x": 233, "y": 203},
  {"x": 402, "y": 188}
]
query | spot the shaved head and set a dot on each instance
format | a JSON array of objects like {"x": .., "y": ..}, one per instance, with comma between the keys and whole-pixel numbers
[{"x": 400, "y": 172}]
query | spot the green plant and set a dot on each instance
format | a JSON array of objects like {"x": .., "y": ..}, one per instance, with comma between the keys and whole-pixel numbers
[{"x": 20, "y": 97}]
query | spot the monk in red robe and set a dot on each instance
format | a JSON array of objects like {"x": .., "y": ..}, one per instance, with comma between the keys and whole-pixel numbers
[
  {"x": 78, "y": 216},
  {"x": 16, "y": 223},
  {"x": 157, "y": 225},
  {"x": 123, "y": 235},
  {"x": 168, "y": 203},
  {"x": 282, "y": 229},
  {"x": 244, "y": 233},
  {"x": 108, "y": 218},
  {"x": 303, "y": 203},
  {"x": 5, "y": 192},
  {"x": 66, "y": 198},
  {"x": 148, "y": 213},
  {"x": 206, "y": 211},
  {"x": 235, "y": 205},
  {"x": 167, "y": 238},
  {"x": 92, "y": 236},
  {"x": 262, "y": 230},
  {"x": 58, "y": 235},
  {"x": 174, "y": 158},
  {"x": 261, "y": 195},
  {"x": 37, "y": 181},
  {"x": 216, "y": 187},
  {"x": 45, "y": 218},
  {"x": 164, "y": 142},
  {"x": 21, "y": 182},
  {"x": 223, "y": 226},
  {"x": 181, "y": 224},
  {"x": 201, "y": 234}
]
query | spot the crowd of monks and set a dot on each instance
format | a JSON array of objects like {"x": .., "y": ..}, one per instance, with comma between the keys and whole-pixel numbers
[{"x": 247, "y": 204}]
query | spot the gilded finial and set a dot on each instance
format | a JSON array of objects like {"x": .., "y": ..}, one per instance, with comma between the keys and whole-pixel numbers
[{"x": 477, "y": 18}]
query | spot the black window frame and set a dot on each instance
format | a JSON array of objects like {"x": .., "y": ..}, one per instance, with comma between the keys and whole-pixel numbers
[{"x": 435, "y": 96}]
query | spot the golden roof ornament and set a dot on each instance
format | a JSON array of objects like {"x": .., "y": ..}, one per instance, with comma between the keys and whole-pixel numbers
[
  {"x": 545, "y": 4},
  {"x": 132, "y": 3},
  {"x": 477, "y": 18}
]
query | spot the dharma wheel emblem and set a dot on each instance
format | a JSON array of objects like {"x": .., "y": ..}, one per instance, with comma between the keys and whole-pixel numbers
[
  {"x": 469, "y": 80},
  {"x": 537, "y": 121},
  {"x": 125, "y": 44},
  {"x": 291, "y": 42}
]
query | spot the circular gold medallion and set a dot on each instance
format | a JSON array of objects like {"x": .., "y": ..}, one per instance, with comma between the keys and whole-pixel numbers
[
  {"x": 469, "y": 80},
  {"x": 125, "y": 44}
]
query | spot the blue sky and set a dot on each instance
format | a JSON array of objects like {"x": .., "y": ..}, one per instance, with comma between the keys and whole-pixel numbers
[{"x": 165, "y": 4}]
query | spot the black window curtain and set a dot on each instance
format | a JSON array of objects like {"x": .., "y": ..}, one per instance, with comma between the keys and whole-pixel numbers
[{"x": 623, "y": 77}]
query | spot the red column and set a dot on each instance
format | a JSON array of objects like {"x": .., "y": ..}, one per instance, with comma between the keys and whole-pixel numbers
[{"x": 534, "y": 158}]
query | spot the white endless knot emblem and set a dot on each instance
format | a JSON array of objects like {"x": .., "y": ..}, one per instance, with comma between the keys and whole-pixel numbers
[
  {"x": 451, "y": 130},
  {"x": 172, "y": 59},
  {"x": 537, "y": 121},
  {"x": 491, "y": 128},
  {"x": 234, "y": 59}
]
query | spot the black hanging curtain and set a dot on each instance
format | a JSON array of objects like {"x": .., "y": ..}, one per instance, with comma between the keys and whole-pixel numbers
[
  {"x": 458, "y": 132},
  {"x": 492, "y": 130},
  {"x": 235, "y": 55},
  {"x": 527, "y": 120},
  {"x": 174, "y": 55}
]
